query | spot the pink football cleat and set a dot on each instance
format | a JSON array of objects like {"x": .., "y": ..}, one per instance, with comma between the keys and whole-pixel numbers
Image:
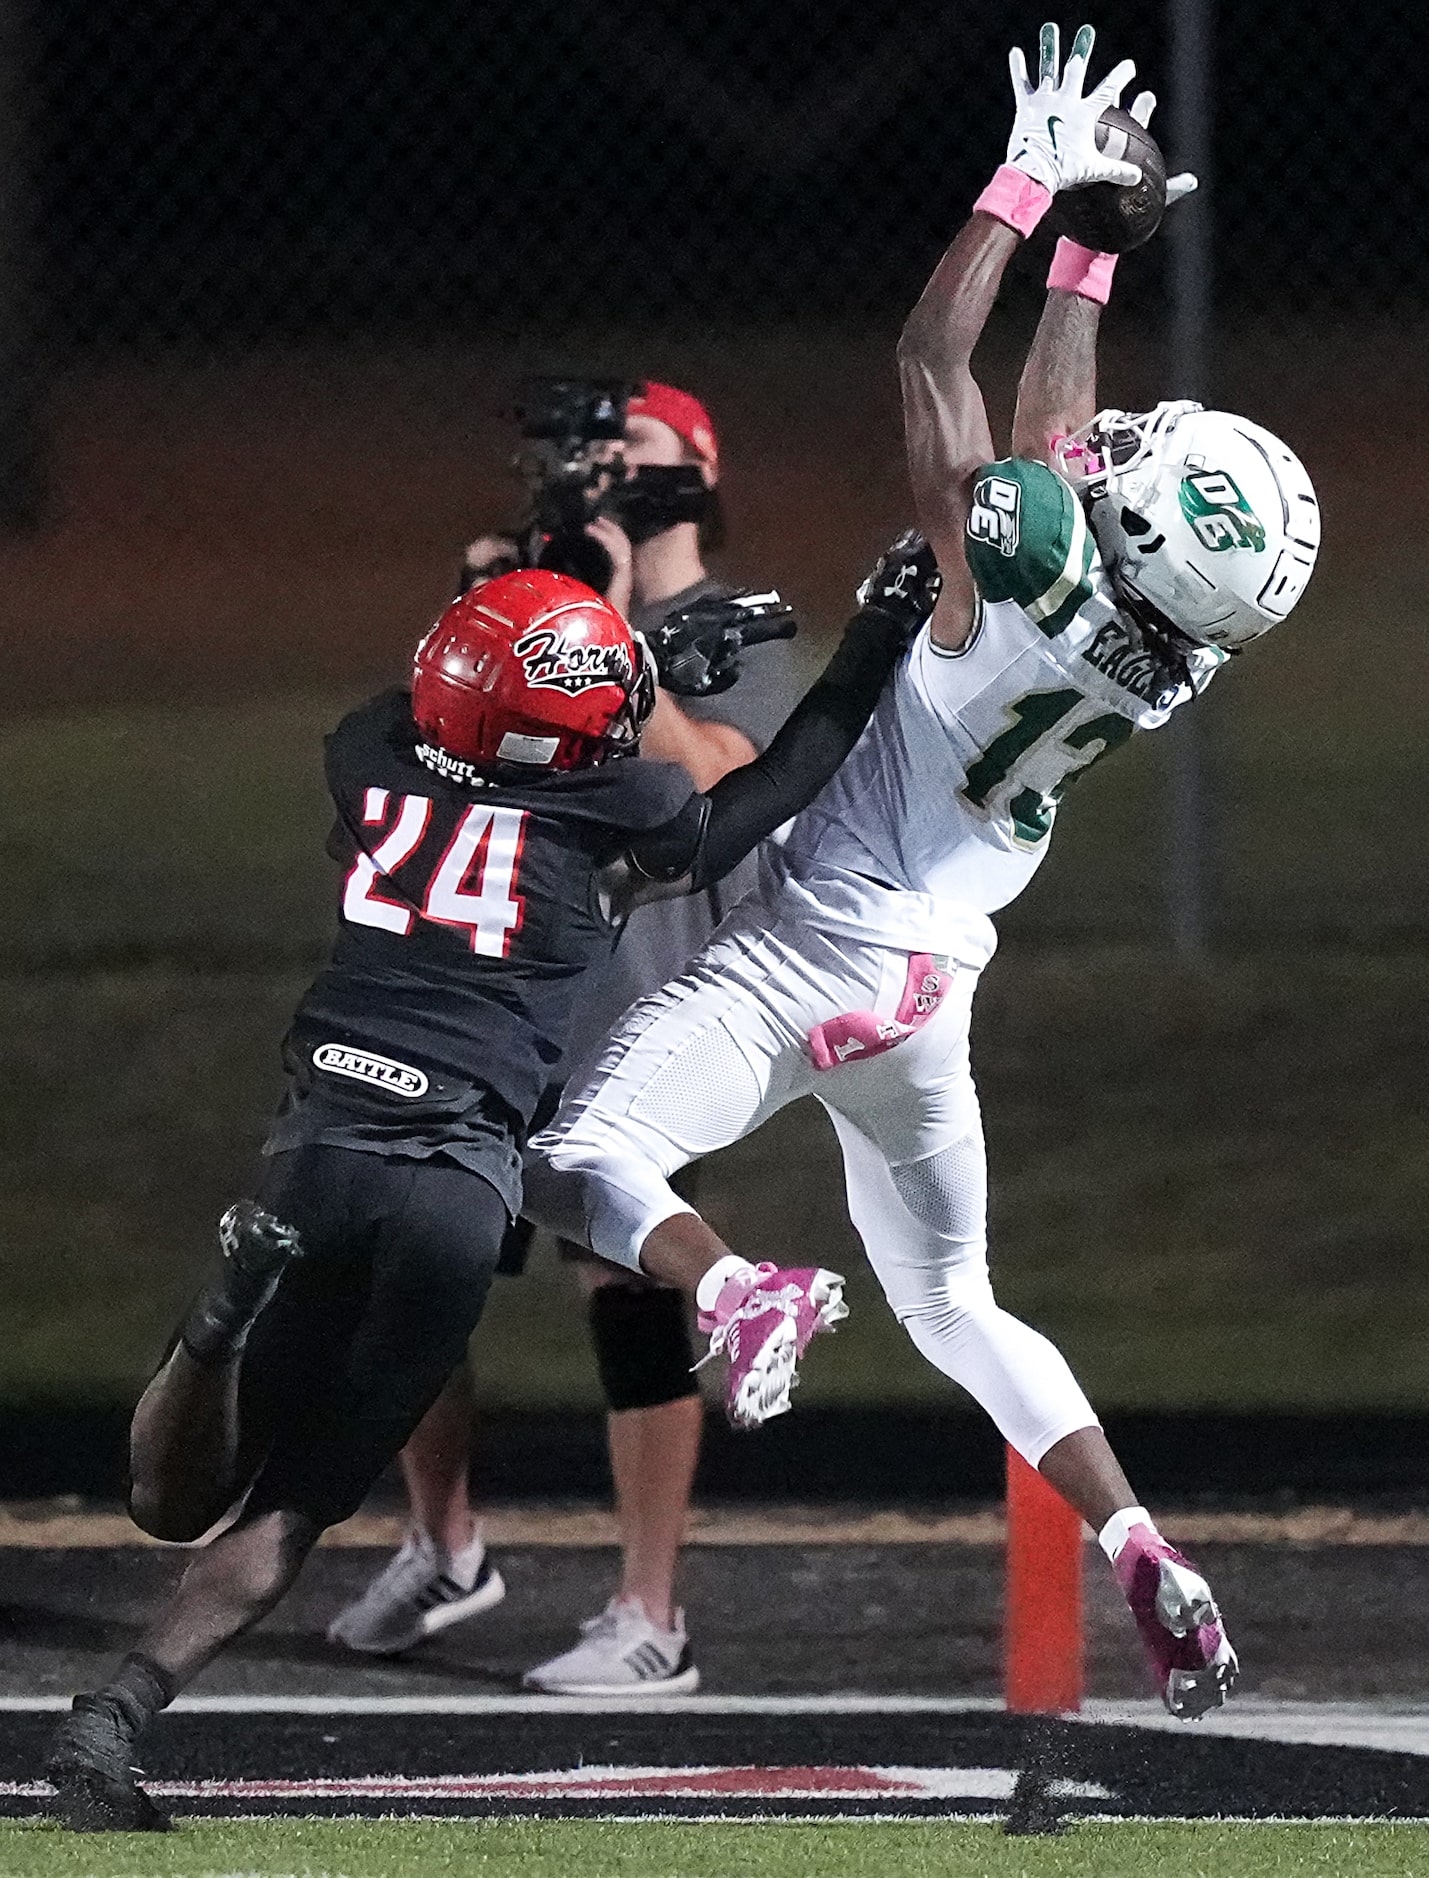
[
  {"x": 1194, "y": 1664},
  {"x": 761, "y": 1323}
]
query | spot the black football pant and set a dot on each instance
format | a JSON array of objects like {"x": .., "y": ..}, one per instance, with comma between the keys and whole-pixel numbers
[{"x": 366, "y": 1327}]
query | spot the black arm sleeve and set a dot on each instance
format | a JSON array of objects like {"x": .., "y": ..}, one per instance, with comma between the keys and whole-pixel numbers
[{"x": 751, "y": 802}]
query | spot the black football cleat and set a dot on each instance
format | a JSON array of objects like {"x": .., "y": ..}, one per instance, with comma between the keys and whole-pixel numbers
[
  {"x": 90, "y": 1766},
  {"x": 257, "y": 1249}
]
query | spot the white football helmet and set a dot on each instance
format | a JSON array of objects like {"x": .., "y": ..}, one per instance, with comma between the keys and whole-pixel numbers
[{"x": 1205, "y": 517}]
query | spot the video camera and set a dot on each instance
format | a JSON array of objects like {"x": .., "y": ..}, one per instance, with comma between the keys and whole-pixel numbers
[
  {"x": 573, "y": 476},
  {"x": 565, "y": 422}
]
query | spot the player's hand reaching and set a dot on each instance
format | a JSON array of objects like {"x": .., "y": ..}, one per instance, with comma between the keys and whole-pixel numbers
[
  {"x": 1054, "y": 131},
  {"x": 697, "y": 649},
  {"x": 905, "y": 583},
  {"x": 1177, "y": 187}
]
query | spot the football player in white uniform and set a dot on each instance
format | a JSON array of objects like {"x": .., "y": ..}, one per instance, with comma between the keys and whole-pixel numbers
[{"x": 1094, "y": 580}]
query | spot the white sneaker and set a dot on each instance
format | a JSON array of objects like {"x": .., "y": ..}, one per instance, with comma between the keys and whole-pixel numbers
[
  {"x": 621, "y": 1653},
  {"x": 420, "y": 1591}
]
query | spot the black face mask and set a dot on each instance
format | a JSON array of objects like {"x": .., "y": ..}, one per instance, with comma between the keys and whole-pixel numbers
[{"x": 653, "y": 499}]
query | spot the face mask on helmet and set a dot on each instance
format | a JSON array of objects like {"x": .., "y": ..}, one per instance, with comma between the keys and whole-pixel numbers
[
  {"x": 1113, "y": 441},
  {"x": 1205, "y": 522}
]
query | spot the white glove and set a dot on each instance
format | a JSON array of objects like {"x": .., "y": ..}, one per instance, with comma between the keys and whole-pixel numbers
[
  {"x": 1054, "y": 131},
  {"x": 1177, "y": 187}
]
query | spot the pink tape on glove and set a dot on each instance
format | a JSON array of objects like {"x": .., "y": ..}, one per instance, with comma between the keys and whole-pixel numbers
[
  {"x": 1076, "y": 269},
  {"x": 865, "y": 1033},
  {"x": 1016, "y": 199}
]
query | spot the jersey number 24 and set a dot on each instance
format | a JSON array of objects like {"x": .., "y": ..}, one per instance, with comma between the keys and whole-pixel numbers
[{"x": 472, "y": 886}]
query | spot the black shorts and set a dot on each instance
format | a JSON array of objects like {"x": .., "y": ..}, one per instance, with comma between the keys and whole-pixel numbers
[
  {"x": 459, "y": 1123},
  {"x": 367, "y": 1326}
]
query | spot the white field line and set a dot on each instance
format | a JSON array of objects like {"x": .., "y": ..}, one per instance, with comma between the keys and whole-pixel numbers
[
  {"x": 1400, "y": 1824},
  {"x": 622, "y": 1784},
  {"x": 1393, "y": 1727},
  {"x": 1413, "y": 1820},
  {"x": 543, "y": 1705}
]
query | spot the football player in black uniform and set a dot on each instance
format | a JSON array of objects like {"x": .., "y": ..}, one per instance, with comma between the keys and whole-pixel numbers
[
  {"x": 494, "y": 827},
  {"x": 721, "y": 700}
]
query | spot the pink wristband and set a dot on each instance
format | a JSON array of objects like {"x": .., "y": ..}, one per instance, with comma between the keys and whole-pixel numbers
[
  {"x": 1076, "y": 269},
  {"x": 1016, "y": 199}
]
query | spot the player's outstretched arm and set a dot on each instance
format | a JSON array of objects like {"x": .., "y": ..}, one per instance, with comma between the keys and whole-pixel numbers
[
  {"x": 945, "y": 423},
  {"x": 1052, "y": 147},
  {"x": 1058, "y": 390},
  {"x": 717, "y": 830},
  {"x": 704, "y": 746}
]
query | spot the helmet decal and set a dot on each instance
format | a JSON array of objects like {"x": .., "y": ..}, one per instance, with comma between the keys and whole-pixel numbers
[
  {"x": 553, "y": 662},
  {"x": 1212, "y": 503},
  {"x": 996, "y": 515}
]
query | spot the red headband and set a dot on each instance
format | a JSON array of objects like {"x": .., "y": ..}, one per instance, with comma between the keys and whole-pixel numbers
[{"x": 685, "y": 415}]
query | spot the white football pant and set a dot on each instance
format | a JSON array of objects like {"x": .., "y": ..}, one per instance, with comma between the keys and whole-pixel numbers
[{"x": 704, "y": 1061}]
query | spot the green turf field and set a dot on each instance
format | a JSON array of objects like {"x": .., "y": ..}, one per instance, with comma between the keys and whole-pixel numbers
[
  {"x": 1210, "y": 1182},
  {"x": 389, "y": 1849}
]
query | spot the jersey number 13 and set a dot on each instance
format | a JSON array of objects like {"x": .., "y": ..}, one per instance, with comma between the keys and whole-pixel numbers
[{"x": 1033, "y": 733}]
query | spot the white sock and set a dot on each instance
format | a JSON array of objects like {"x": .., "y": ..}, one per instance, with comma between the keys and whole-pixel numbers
[
  {"x": 465, "y": 1565},
  {"x": 718, "y": 1275},
  {"x": 1113, "y": 1536}
]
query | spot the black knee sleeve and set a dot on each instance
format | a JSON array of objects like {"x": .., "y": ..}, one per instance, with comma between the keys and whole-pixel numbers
[{"x": 642, "y": 1344}]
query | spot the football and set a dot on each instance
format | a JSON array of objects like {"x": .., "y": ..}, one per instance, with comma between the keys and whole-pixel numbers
[{"x": 1112, "y": 217}]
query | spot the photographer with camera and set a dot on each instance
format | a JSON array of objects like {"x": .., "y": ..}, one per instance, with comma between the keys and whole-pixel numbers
[{"x": 623, "y": 481}]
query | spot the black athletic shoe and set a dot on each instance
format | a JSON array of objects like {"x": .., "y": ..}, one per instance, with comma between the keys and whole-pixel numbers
[
  {"x": 257, "y": 1249},
  {"x": 91, "y": 1768}
]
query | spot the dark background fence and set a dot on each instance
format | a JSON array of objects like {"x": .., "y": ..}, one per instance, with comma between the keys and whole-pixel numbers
[
  {"x": 201, "y": 176},
  {"x": 268, "y": 279}
]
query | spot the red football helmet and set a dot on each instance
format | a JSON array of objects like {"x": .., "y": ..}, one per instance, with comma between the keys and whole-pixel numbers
[{"x": 533, "y": 669}]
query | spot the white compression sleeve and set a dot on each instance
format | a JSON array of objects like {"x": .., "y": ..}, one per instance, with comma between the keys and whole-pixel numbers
[
  {"x": 1012, "y": 1371},
  {"x": 923, "y": 1225},
  {"x": 609, "y": 1202}
]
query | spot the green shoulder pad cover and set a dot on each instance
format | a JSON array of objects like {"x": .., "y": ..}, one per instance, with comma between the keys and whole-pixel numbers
[{"x": 1027, "y": 541}]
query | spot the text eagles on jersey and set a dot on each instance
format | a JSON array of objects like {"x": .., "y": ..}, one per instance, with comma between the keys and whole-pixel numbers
[{"x": 1130, "y": 662}]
